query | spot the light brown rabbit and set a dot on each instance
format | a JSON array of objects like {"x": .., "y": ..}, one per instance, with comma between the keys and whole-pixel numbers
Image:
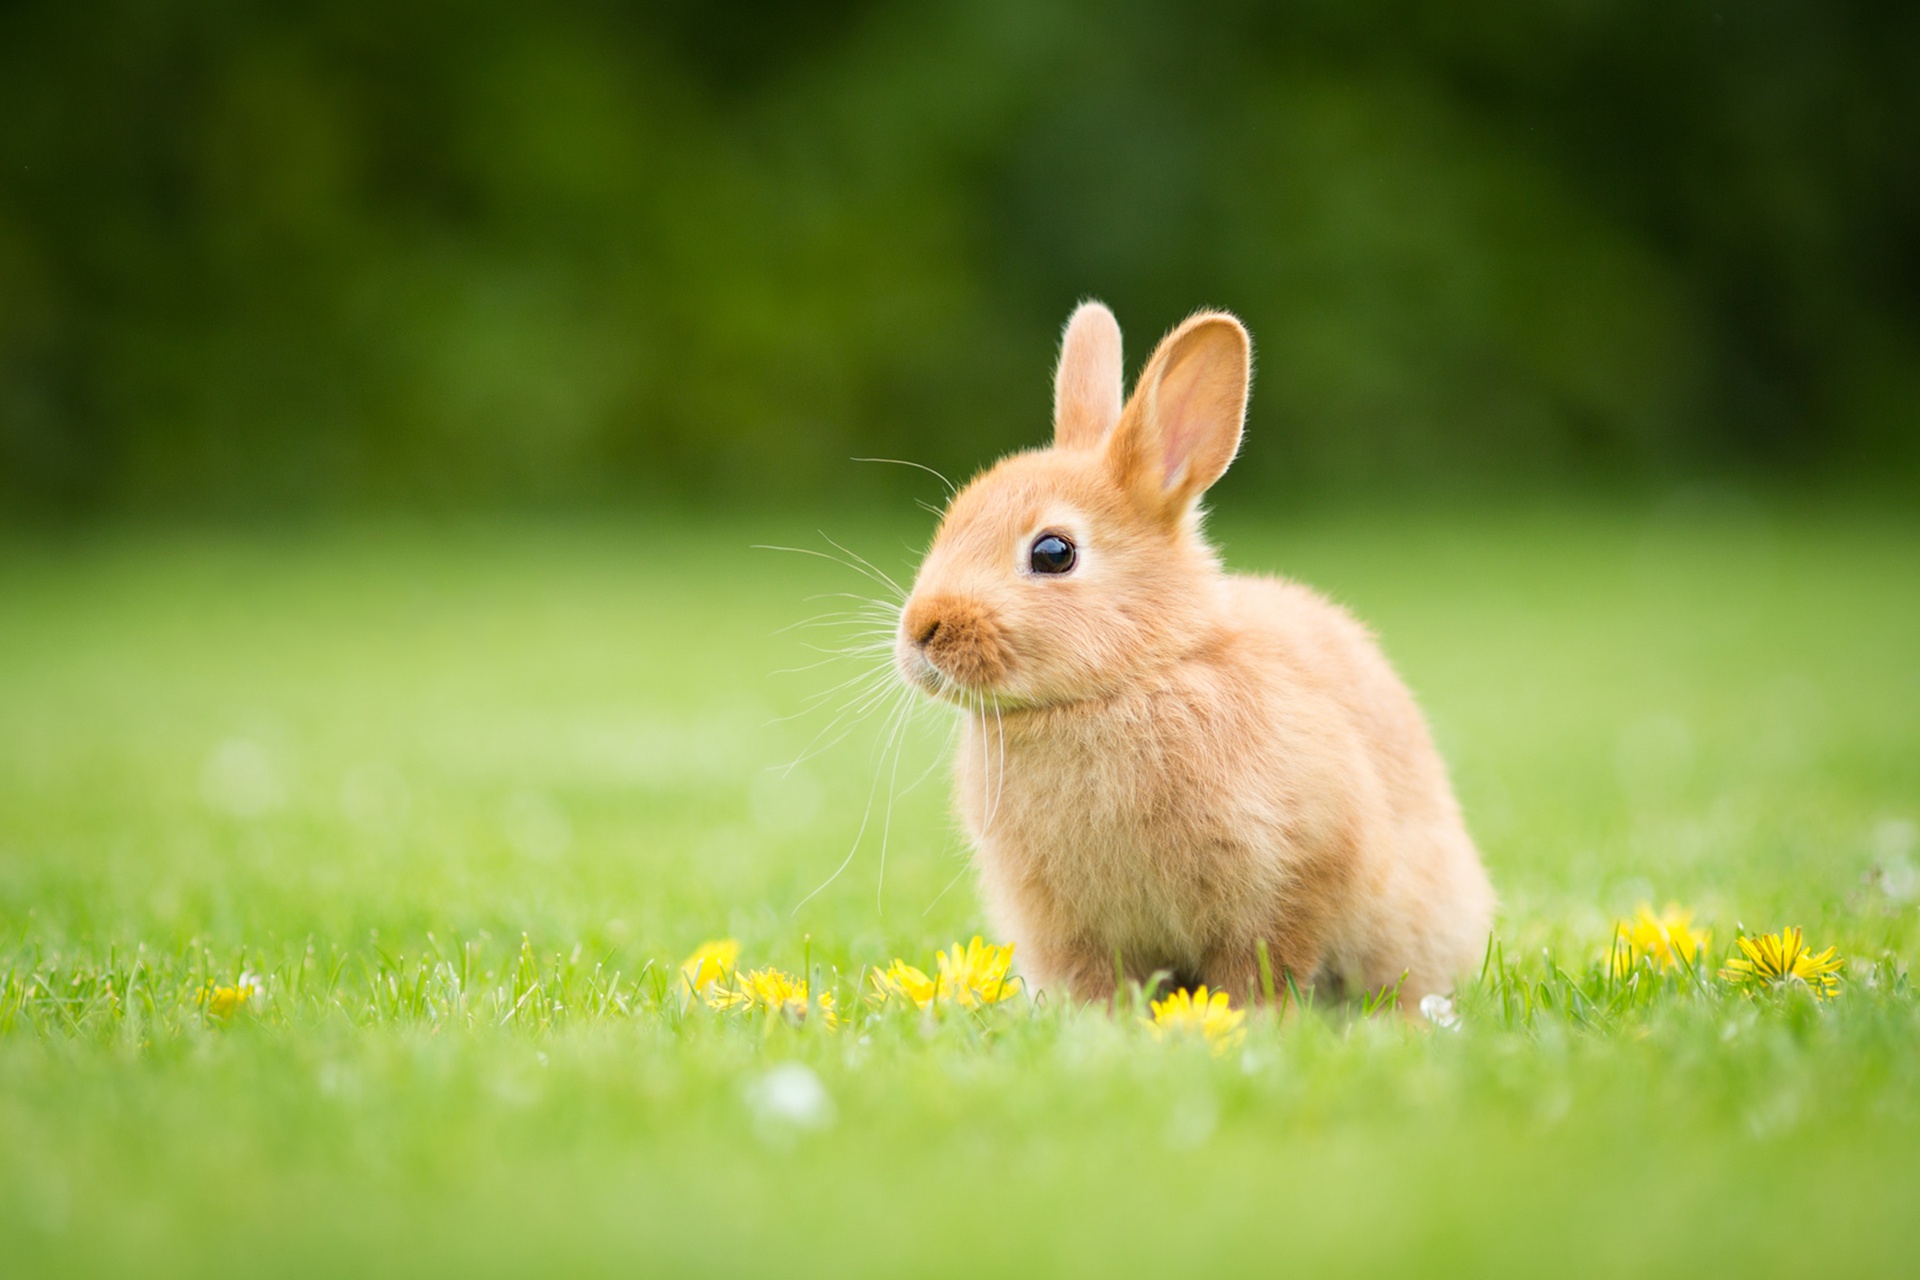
[{"x": 1162, "y": 764}]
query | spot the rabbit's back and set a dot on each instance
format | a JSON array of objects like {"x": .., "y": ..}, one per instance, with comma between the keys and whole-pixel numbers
[{"x": 1423, "y": 903}]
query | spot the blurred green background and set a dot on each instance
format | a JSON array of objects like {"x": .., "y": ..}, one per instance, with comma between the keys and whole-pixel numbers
[
  {"x": 390, "y": 396},
  {"x": 352, "y": 256}
]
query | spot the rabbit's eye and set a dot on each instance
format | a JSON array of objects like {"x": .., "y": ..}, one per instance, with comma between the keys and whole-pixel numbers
[{"x": 1051, "y": 554}]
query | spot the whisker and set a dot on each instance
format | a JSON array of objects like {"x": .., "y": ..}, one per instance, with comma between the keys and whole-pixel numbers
[
  {"x": 882, "y": 573},
  {"x": 856, "y": 696},
  {"x": 1000, "y": 730},
  {"x": 840, "y": 618},
  {"x": 826, "y": 746},
  {"x": 813, "y": 702},
  {"x": 867, "y": 625},
  {"x": 831, "y": 656},
  {"x": 965, "y": 866},
  {"x": 893, "y": 794},
  {"x": 846, "y": 595},
  {"x": 879, "y": 579},
  {"x": 919, "y": 466},
  {"x": 863, "y": 632},
  {"x": 986, "y": 765},
  {"x": 847, "y": 653},
  {"x": 857, "y": 646},
  {"x": 859, "y": 835},
  {"x": 939, "y": 757},
  {"x": 858, "y": 708}
]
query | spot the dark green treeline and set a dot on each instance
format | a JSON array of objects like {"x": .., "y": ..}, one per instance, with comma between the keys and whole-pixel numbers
[{"x": 260, "y": 257}]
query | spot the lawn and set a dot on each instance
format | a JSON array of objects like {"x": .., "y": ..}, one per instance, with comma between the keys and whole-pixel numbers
[{"x": 463, "y": 797}]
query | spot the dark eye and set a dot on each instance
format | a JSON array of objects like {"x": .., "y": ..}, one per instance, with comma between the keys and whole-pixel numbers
[{"x": 1051, "y": 554}]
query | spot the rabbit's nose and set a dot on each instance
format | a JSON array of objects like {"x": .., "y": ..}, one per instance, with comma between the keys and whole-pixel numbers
[
  {"x": 923, "y": 619},
  {"x": 959, "y": 636}
]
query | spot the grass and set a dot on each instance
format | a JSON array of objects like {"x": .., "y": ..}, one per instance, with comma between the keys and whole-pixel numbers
[{"x": 464, "y": 797}]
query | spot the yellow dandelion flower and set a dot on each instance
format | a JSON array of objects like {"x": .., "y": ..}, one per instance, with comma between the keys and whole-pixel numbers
[
  {"x": 771, "y": 992},
  {"x": 977, "y": 973},
  {"x": 901, "y": 980},
  {"x": 222, "y": 1002},
  {"x": 1197, "y": 1012},
  {"x": 709, "y": 963},
  {"x": 1668, "y": 939},
  {"x": 1782, "y": 959},
  {"x": 969, "y": 976}
]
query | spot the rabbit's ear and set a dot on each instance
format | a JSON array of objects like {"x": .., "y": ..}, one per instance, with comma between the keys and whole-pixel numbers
[
  {"x": 1087, "y": 386},
  {"x": 1182, "y": 426}
]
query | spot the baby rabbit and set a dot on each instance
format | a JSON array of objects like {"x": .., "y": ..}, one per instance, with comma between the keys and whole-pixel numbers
[{"x": 1162, "y": 764}]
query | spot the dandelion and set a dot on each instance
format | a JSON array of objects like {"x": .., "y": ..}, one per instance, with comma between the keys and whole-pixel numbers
[
  {"x": 976, "y": 974},
  {"x": 771, "y": 992},
  {"x": 221, "y": 1002},
  {"x": 902, "y": 980},
  {"x": 1781, "y": 959},
  {"x": 1667, "y": 940},
  {"x": 970, "y": 976},
  {"x": 1213, "y": 1016},
  {"x": 710, "y": 963}
]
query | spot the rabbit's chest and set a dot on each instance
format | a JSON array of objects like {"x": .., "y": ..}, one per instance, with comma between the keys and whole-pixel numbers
[{"x": 1111, "y": 840}]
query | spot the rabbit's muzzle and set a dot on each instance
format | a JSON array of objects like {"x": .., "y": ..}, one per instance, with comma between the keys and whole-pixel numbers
[{"x": 957, "y": 638}]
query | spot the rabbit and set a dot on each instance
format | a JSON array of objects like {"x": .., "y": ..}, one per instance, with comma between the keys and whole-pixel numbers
[{"x": 1164, "y": 766}]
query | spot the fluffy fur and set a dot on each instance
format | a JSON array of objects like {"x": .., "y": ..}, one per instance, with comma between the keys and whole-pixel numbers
[{"x": 1162, "y": 764}]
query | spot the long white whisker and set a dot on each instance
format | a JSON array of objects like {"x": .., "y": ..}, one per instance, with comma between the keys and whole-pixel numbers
[
  {"x": 846, "y": 595},
  {"x": 893, "y": 794},
  {"x": 812, "y": 701},
  {"x": 856, "y": 705},
  {"x": 986, "y": 763},
  {"x": 898, "y": 590},
  {"x": 846, "y": 617},
  {"x": 828, "y": 658},
  {"x": 864, "y": 649},
  {"x": 866, "y": 630},
  {"x": 857, "y": 709},
  {"x": 878, "y": 627},
  {"x": 1000, "y": 730},
  {"x": 872, "y": 611},
  {"x": 846, "y": 653},
  {"x": 838, "y": 738},
  {"x": 938, "y": 759},
  {"x": 879, "y": 579},
  {"x": 920, "y": 466},
  {"x": 859, "y": 835},
  {"x": 854, "y": 645},
  {"x": 965, "y": 866}
]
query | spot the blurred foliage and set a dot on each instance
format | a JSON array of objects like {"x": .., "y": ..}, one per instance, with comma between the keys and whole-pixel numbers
[{"x": 259, "y": 257}]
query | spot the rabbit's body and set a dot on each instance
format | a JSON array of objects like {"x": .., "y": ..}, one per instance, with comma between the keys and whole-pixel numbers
[
  {"x": 1163, "y": 765},
  {"x": 1329, "y": 831}
]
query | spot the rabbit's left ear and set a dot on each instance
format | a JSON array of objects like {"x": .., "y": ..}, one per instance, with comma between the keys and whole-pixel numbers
[
  {"x": 1182, "y": 426},
  {"x": 1088, "y": 385}
]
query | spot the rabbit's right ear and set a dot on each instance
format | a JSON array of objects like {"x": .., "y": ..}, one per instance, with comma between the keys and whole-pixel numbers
[
  {"x": 1182, "y": 426},
  {"x": 1088, "y": 385}
]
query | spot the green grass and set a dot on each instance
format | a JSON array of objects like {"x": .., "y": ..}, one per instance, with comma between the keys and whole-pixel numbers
[{"x": 464, "y": 798}]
